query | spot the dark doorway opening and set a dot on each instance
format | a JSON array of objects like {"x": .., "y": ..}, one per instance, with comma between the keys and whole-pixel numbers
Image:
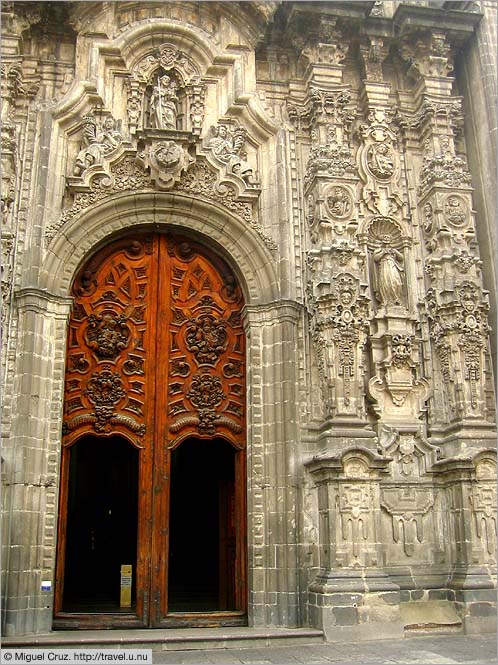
[
  {"x": 101, "y": 523},
  {"x": 202, "y": 543}
]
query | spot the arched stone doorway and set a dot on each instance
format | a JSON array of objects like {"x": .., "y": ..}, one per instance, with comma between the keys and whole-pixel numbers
[{"x": 155, "y": 370}]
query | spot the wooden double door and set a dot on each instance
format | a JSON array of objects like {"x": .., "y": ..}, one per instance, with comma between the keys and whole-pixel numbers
[{"x": 153, "y": 456}]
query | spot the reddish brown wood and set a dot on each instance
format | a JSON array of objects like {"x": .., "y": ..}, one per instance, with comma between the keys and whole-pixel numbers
[{"x": 156, "y": 354}]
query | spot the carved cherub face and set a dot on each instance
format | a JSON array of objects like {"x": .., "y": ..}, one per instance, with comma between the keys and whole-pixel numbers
[{"x": 346, "y": 297}]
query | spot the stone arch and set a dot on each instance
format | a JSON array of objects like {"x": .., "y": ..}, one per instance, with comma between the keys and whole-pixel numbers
[{"x": 225, "y": 232}]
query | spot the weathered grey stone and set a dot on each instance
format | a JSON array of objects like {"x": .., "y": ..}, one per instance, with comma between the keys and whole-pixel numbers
[
  {"x": 345, "y": 616},
  {"x": 482, "y": 609}
]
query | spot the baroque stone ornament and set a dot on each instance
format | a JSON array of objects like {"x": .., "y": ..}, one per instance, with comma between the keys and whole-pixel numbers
[
  {"x": 407, "y": 506},
  {"x": 443, "y": 169},
  {"x": 100, "y": 140},
  {"x": 380, "y": 161},
  {"x": 167, "y": 161},
  {"x": 459, "y": 331},
  {"x": 339, "y": 202},
  {"x": 227, "y": 146},
  {"x": 107, "y": 334},
  {"x": 206, "y": 337},
  {"x": 455, "y": 210}
]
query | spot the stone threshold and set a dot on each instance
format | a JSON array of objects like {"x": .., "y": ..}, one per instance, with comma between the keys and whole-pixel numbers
[{"x": 173, "y": 639}]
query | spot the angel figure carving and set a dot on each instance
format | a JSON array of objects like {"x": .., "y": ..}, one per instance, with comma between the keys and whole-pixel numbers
[
  {"x": 389, "y": 272},
  {"x": 229, "y": 148},
  {"x": 98, "y": 140}
]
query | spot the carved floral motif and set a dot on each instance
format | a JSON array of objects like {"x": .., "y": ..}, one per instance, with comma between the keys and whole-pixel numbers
[
  {"x": 333, "y": 160},
  {"x": 206, "y": 337},
  {"x": 446, "y": 169},
  {"x": 107, "y": 334}
]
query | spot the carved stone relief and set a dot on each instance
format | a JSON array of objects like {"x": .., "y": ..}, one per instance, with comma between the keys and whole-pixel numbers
[
  {"x": 167, "y": 162},
  {"x": 100, "y": 141},
  {"x": 407, "y": 507},
  {"x": 227, "y": 147}
]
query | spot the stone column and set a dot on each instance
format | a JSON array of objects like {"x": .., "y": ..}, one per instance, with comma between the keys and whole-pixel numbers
[
  {"x": 454, "y": 329},
  {"x": 456, "y": 305},
  {"x": 272, "y": 408},
  {"x": 31, "y": 463}
]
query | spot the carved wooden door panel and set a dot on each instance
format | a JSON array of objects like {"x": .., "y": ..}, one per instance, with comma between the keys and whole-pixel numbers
[{"x": 155, "y": 356}]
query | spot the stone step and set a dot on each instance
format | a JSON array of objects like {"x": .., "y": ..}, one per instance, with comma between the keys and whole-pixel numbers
[
  {"x": 430, "y": 617},
  {"x": 180, "y": 639}
]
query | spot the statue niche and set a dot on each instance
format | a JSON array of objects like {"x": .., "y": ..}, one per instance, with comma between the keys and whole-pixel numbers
[
  {"x": 166, "y": 102},
  {"x": 385, "y": 244}
]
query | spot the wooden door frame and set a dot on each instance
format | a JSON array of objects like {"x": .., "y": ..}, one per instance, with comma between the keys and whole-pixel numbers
[
  {"x": 236, "y": 617},
  {"x": 154, "y": 505},
  {"x": 69, "y": 620}
]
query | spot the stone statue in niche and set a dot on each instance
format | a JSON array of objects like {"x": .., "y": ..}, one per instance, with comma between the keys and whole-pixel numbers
[
  {"x": 380, "y": 161},
  {"x": 99, "y": 141},
  {"x": 164, "y": 103},
  {"x": 228, "y": 148},
  {"x": 389, "y": 272}
]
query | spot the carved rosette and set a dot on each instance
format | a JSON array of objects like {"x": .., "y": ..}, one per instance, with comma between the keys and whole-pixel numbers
[
  {"x": 206, "y": 337},
  {"x": 107, "y": 334}
]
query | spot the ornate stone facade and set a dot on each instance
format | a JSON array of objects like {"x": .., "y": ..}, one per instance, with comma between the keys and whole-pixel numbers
[{"x": 328, "y": 151}]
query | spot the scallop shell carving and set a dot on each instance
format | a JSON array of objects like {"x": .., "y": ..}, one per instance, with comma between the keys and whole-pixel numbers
[{"x": 382, "y": 230}]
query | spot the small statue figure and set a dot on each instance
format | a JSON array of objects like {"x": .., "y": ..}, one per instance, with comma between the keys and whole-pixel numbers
[
  {"x": 164, "y": 103},
  {"x": 389, "y": 272},
  {"x": 98, "y": 141}
]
